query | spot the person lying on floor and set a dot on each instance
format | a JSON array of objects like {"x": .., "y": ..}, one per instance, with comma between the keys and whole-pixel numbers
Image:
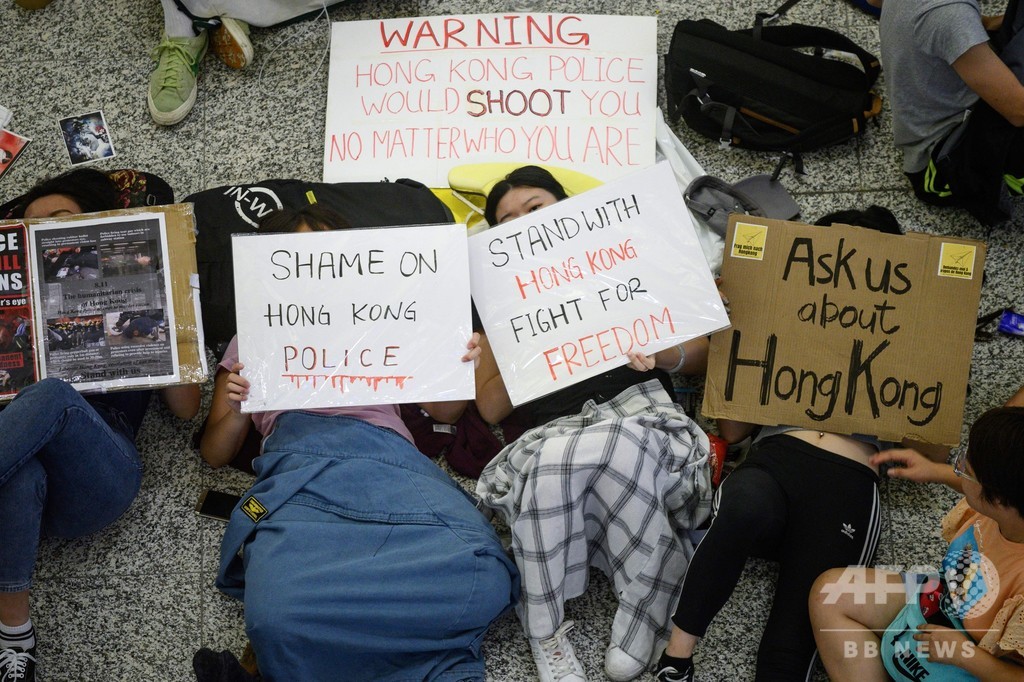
[
  {"x": 805, "y": 498},
  {"x": 356, "y": 556},
  {"x": 612, "y": 477},
  {"x": 69, "y": 466}
]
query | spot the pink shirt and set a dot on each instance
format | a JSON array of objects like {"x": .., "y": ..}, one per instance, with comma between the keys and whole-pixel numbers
[{"x": 385, "y": 416}]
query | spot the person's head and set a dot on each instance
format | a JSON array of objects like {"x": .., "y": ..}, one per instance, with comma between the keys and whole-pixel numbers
[
  {"x": 995, "y": 457},
  {"x": 524, "y": 190},
  {"x": 311, "y": 218},
  {"x": 873, "y": 217},
  {"x": 84, "y": 190}
]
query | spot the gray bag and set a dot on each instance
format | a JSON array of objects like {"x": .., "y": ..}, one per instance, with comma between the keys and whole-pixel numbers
[{"x": 712, "y": 200}]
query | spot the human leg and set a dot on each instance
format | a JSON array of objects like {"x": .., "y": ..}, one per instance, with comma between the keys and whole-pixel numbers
[
  {"x": 402, "y": 602},
  {"x": 172, "y": 84},
  {"x": 849, "y": 609},
  {"x": 22, "y": 498},
  {"x": 833, "y": 521},
  {"x": 421, "y": 576},
  {"x": 57, "y": 446},
  {"x": 55, "y": 443},
  {"x": 748, "y": 521},
  {"x": 262, "y": 13}
]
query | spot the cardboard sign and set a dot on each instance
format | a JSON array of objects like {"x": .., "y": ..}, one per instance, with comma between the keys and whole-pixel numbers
[
  {"x": 353, "y": 317},
  {"x": 567, "y": 291},
  {"x": 427, "y": 94},
  {"x": 104, "y": 301},
  {"x": 846, "y": 330}
]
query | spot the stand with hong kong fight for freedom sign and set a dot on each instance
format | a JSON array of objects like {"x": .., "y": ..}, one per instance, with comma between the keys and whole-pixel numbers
[
  {"x": 420, "y": 96},
  {"x": 353, "y": 317},
  {"x": 846, "y": 330},
  {"x": 567, "y": 291}
]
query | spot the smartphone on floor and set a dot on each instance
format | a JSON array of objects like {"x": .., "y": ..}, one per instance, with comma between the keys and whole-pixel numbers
[{"x": 216, "y": 504}]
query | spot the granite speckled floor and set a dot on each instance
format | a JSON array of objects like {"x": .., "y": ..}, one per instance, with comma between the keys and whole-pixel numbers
[{"x": 133, "y": 602}]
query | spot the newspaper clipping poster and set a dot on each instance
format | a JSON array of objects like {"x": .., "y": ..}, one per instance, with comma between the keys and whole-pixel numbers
[{"x": 103, "y": 300}]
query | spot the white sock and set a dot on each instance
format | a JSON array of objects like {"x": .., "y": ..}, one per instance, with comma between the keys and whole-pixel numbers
[
  {"x": 20, "y": 636},
  {"x": 176, "y": 24}
]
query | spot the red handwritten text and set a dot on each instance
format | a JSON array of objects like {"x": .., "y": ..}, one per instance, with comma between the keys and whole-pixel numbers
[{"x": 606, "y": 345}]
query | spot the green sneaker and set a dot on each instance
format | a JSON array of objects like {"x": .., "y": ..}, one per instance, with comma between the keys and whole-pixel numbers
[{"x": 172, "y": 85}]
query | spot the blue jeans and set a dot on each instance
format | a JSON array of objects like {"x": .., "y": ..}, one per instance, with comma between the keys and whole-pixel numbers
[
  {"x": 362, "y": 559},
  {"x": 63, "y": 472}
]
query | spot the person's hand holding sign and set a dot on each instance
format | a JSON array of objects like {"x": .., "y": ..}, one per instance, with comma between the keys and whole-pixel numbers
[
  {"x": 690, "y": 357},
  {"x": 237, "y": 386},
  {"x": 473, "y": 354}
]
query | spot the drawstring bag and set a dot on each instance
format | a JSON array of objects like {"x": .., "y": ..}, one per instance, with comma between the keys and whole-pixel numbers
[{"x": 901, "y": 655}]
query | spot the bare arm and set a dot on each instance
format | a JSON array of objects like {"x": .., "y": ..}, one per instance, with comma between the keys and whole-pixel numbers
[
  {"x": 183, "y": 401},
  {"x": 694, "y": 356},
  {"x": 733, "y": 431},
  {"x": 1017, "y": 400},
  {"x": 953, "y": 647},
  {"x": 226, "y": 426},
  {"x": 913, "y": 466},
  {"x": 983, "y": 72},
  {"x": 992, "y": 23},
  {"x": 491, "y": 395}
]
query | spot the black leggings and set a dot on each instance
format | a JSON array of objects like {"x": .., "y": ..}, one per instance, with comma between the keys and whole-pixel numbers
[
  {"x": 988, "y": 155},
  {"x": 805, "y": 507}
]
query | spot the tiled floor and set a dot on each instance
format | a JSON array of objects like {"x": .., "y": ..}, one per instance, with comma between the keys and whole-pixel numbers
[{"x": 135, "y": 601}]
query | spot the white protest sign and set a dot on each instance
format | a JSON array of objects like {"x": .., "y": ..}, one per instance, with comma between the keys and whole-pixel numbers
[
  {"x": 353, "y": 317},
  {"x": 421, "y": 96},
  {"x": 567, "y": 291}
]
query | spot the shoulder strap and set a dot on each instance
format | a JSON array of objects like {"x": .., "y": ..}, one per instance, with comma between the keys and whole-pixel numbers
[
  {"x": 762, "y": 18},
  {"x": 801, "y": 35}
]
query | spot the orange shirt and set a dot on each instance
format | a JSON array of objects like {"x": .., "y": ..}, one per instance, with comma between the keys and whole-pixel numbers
[{"x": 985, "y": 574}]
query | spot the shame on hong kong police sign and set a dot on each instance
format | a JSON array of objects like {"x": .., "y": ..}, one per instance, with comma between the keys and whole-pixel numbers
[{"x": 353, "y": 317}]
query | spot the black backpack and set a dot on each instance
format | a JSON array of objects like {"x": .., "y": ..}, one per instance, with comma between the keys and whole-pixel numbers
[
  {"x": 223, "y": 211},
  {"x": 753, "y": 88}
]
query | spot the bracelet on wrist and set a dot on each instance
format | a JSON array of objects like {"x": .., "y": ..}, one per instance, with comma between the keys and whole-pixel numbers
[{"x": 682, "y": 359}]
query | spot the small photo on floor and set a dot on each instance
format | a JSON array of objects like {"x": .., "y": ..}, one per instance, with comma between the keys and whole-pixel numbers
[
  {"x": 11, "y": 147},
  {"x": 87, "y": 138}
]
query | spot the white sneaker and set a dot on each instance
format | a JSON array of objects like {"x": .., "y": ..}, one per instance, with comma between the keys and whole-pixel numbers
[
  {"x": 556, "y": 661},
  {"x": 620, "y": 666}
]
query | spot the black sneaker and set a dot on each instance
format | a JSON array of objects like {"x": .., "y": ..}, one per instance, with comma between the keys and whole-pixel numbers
[
  {"x": 212, "y": 666},
  {"x": 670, "y": 673},
  {"x": 18, "y": 665}
]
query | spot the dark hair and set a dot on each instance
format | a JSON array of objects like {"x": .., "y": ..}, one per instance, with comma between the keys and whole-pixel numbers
[
  {"x": 318, "y": 218},
  {"x": 524, "y": 176},
  {"x": 995, "y": 452},
  {"x": 873, "y": 217},
  {"x": 91, "y": 189}
]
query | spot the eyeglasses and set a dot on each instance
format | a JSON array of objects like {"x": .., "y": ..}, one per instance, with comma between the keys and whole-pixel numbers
[{"x": 960, "y": 467}]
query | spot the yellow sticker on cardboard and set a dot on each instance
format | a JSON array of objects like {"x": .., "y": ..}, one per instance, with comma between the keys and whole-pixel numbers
[
  {"x": 252, "y": 508},
  {"x": 748, "y": 241},
  {"x": 957, "y": 260}
]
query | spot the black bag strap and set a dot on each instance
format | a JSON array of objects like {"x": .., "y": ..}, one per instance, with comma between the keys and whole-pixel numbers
[
  {"x": 762, "y": 18},
  {"x": 801, "y": 35}
]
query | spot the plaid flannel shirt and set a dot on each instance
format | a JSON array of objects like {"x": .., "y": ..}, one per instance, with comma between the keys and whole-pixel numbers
[{"x": 615, "y": 487}]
